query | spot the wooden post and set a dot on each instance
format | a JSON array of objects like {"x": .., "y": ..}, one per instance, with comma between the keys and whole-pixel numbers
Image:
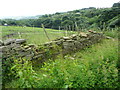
[
  {"x": 73, "y": 27},
  {"x": 19, "y": 34},
  {"x": 45, "y": 32},
  {"x": 69, "y": 30},
  {"x": 66, "y": 31},
  {"x": 33, "y": 29},
  {"x": 59, "y": 28}
]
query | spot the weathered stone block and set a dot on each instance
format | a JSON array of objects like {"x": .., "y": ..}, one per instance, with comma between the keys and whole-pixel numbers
[
  {"x": 20, "y": 41},
  {"x": 83, "y": 35},
  {"x": 9, "y": 41},
  {"x": 66, "y": 38},
  {"x": 1, "y": 43},
  {"x": 48, "y": 44}
]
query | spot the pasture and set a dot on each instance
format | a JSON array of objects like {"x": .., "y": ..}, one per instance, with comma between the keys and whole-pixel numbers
[{"x": 32, "y": 34}]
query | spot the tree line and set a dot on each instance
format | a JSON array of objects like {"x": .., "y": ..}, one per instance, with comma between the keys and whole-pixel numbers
[{"x": 84, "y": 18}]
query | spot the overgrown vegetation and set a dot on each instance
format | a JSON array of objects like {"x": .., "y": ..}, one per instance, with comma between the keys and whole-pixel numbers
[{"x": 92, "y": 67}]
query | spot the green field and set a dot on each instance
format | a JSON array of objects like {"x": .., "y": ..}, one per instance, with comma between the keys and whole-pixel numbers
[{"x": 33, "y": 35}]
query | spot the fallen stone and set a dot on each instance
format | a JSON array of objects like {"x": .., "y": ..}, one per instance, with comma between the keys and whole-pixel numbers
[
  {"x": 108, "y": 37},
  {"x": 48, "y": 44},
  {"x": 74, "y": 38},
  {"x": 83, "y": 34},
  {"x": 9, "y": 41},
  {"x": 66, "y": 38},
  {"x": 20, "y": 41},
  {"x": 26, "y": 47},
  {"x": 70, "y": 41},
  {"x": 59, "y": 42},
  {"x": 1, "y": 43},
  {"x": 31, "y": 45},
  {"x": 74, "y": 35},
  {"x": 13, "y": 45},
  {"x": 18, "y": 48},
  {"x": 3, "y": 48}
]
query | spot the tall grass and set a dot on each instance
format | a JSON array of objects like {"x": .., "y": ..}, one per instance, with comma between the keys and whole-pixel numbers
[{"x": 89, "y": 68}]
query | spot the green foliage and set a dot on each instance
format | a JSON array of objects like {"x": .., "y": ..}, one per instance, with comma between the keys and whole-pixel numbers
[
  {"x": 24, "y": 74},
  {"x": 94, "y": 67},
  {"x": 112, "y": 33},
  {"x": 85, "y": 70},
  {"x": 115, "y": 22},
  {"x": 107, "y": 17},
  {"x": 67, "y": 22},
  {"x": 6, "y": 69},
  {"x": 116, "y": 4}
]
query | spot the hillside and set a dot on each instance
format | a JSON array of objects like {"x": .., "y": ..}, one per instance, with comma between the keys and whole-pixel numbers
[{"x": 85, "y": 18}]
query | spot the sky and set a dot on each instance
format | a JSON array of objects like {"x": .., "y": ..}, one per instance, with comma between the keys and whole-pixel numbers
[{"x": 41, "y": 7}]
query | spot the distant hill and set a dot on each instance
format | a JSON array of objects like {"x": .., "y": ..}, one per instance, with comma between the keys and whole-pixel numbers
[
  {"x": 85, "y": 18},
  {"x": 21, "y": 17}
]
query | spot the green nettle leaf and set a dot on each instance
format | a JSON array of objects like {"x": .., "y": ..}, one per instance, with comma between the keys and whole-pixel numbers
[
  {"x": 20, "y": 73},
  {"x": 13, "y": 67}
]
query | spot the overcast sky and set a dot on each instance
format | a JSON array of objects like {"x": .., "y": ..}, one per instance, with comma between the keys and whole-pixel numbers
[{"x": 40, "y": 7}]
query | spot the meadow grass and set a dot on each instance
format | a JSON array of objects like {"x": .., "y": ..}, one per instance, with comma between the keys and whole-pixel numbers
[{"x": 32, "y": 34}]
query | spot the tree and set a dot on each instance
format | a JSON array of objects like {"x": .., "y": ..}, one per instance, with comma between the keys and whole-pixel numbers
[
  {"x": 67, "y": 22},
  {"x": 116, "y": 4},
  {"x": 65, "y": 18},
  {"x": 56, "y": 23}
]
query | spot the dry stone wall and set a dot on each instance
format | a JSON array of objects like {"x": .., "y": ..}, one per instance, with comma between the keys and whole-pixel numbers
[{"x": 18, "y": 48}]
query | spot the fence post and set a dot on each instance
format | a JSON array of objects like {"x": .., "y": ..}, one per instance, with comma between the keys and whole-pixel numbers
[
  {"x": 66, "y": 31},
  {"x": 59, "y": 28},
  {"x": 45, "y": 32},
  {"x": 69, "y": 30},
  {"x": 76, "y": 26},
  {"x": 19, "y": 34}
]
